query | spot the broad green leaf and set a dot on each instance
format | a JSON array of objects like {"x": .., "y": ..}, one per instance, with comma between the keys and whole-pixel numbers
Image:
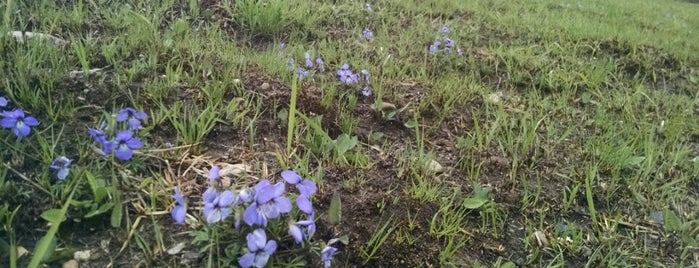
[
  {"x": 473, "y": 203},
  {"x": 335, "y": 210},
  {"x": 344, "y": 240},
  {"x": 671, "y": 221},
  {"x": 91, "y": 181},
  {"x": 53, "y": 216},
  {"x": 100, "y": 193},
  {"x": 344, "y": 143}
]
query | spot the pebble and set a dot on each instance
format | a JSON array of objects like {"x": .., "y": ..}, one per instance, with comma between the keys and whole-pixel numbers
[
  {"x": 265, "y": 86},
  {"x": 21, "y": 252},
  {"x": 495, "y": 97},
  {"x": 83, "y": 255},
  {"x": 387, "y": 106},
  {"x": 234, "y": 170},
  {"x": 70, "y": 264},
  {"x": 540, "y": 238},
  {"x": 176, "y": 249},
  {"x": 435, "y": 166}
]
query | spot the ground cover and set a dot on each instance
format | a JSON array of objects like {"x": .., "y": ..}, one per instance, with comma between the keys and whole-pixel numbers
[{"x": 382, "y": 134}]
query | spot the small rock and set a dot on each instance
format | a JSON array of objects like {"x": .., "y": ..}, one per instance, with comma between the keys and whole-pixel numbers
[
  {"x": 95, "y": 256},
  {"x": 495, "y": 97},
  {"x": 21, "y": 252},
  {"x": 70, "y": 264},
  {"x": 23, "y": 36},
  {"x": 265, "y": 86},
  {"x": 191, "y": 255},
  {"x": 540, "y": 238},
  {"x": 435, "y": 167},
  {"x": 176, "y": 249},
  {"x": 83, "y": 255},
  {"x": 234, "y": 170},
  {"x": 387, "y": 106},
  {"x": 237, "y": 81}
]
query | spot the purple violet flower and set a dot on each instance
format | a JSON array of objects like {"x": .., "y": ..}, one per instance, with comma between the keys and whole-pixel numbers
[
  {"x": 368, "y": 34},
  {"x": 125, "y": 143},
  {"x": 20, "y": 124},
  {"x": 326, "y": 255},
  {"x": 366, "y": 91},
  {"x": 304, "y": 204},
  {"x": 133, "y": 117},
  {"x": 449, "y": 42},
  {"x": 305, "y": 187},
  {"x": 217, "y": 205},
  {"x": 301, "y": 73},
  {"x": 309, "y": 63},
  {"x": 214, "y": 173},
  {"x": 296, "y": 229},
  {"x": 321, "y": 64},
  {"x": 269, "y": 203},
  {"x": 259, "y": 250},
  {"x": 62, "y": 164},
  {"x": 180, "y": 210}
]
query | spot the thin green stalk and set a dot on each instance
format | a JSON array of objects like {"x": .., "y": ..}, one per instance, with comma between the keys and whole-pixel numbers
[
  {"x": 588, "y": 192},
  {"x": 292, "y": 116},
  {"x": 8, "y": 11}
]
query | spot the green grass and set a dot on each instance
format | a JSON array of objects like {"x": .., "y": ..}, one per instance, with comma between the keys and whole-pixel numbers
[{"x": 566, "y": 135}]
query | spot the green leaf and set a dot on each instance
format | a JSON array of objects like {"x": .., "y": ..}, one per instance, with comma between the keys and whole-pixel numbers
[
  {"x": 49, "y": 243},
  {"x": 634, "y": 160},
  {"x": 116, "y": 216},
  {"x": 344, "y": 240},
  {"x": 474, "y": 203},
  {"x": 102, "y": 209},
  {"x": 335, "y": 210},
  {"x": 412, "y": 123},
  {"x": 481, "y": 192},
  {"x": 100, "y": 193},
  {"x": 509, "y": 264},
  {"x": 53, "y": 216},
  {"x": 671, "y": 221},
  {"x": 376, "y": 136},
  {"x": 344, "y": 143}
]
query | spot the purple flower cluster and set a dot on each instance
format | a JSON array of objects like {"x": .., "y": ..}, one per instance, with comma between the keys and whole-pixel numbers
[
  {"x": 16, "y": 120},
  {"x": 449, "y": 44},
  {"x": 124, "y": 143},
  {"x": 309, "y": 66},
  {"x": 256, "y": 206},
  {"x": 348, "y": 77}
]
